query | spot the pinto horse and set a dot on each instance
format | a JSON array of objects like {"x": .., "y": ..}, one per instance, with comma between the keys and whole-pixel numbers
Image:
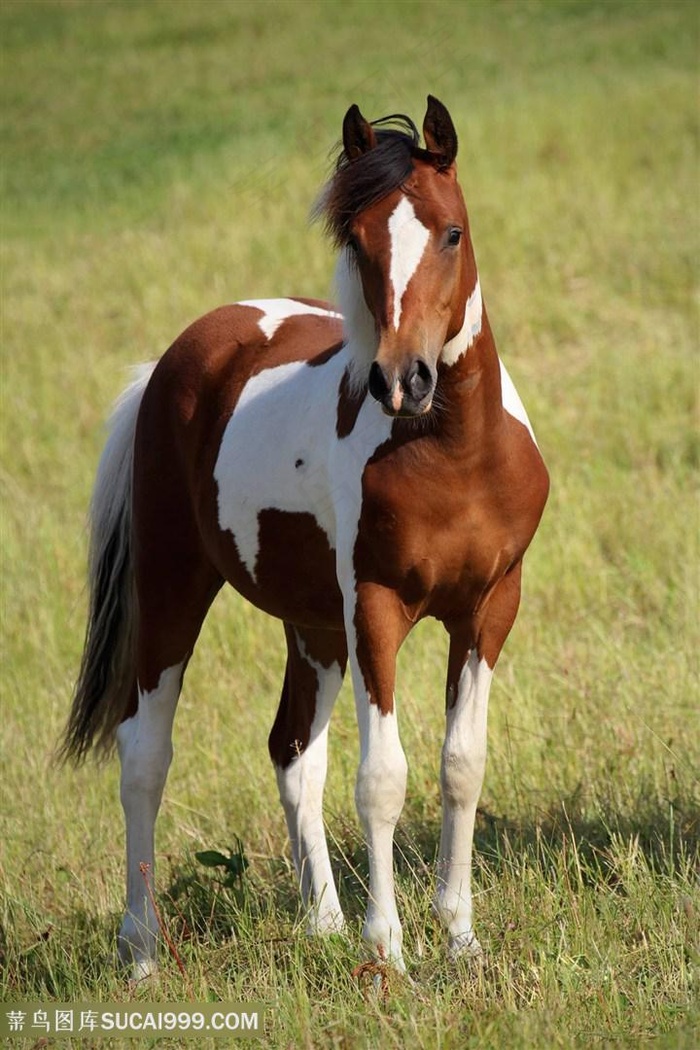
[{"x": 349, "y": 472}]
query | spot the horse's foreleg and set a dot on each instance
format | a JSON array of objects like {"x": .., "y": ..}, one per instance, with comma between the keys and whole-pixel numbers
[
  {"x": 298, "y": 747},
  {"x": 461, "y": 776},
  {"x": 464, "y": 756},
  {"x": 376, "y": 629}
]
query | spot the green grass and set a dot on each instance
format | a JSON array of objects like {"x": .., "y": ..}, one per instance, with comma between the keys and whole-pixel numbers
[{"x": 161, "y": 158}]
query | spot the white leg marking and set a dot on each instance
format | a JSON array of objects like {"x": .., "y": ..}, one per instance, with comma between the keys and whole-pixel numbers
[
  {"x": 408, "y": 240},
  {"x": 379, "y": 795},
  {"x": 301, "y": 791},
  {"x": 471, "y": 326},
  {"x": 381, "y": 778},
  {"x": 145, "y": 751},
  {"x": 461, "y": 777}
]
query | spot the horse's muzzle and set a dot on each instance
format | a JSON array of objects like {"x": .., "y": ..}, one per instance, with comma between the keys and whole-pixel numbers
[{"x": 407, "y": 394}]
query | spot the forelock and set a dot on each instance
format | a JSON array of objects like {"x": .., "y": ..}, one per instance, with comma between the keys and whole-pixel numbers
[{"x": 361, "y": 182}]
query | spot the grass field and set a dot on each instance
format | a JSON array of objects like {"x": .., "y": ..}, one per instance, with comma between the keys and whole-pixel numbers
[{"x": 159, "y": 159}]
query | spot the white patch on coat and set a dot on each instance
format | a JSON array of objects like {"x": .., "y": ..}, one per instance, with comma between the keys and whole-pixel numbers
[
  {"x": 456, "y": 347},
  {"x": 360, "y": 328},
  {"x": 471, "y": 327},
  {"x": 280, "y": 451},
  {"x": 409, "y": 238},
  {"x": 511, "y": 401},
  {"x": 276, "y": 311}
]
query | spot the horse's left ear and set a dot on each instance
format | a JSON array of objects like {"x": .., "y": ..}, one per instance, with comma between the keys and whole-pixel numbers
[{"x": 439, "y": 133}]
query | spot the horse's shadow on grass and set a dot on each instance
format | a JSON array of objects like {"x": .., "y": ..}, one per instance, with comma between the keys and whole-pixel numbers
[
  {"x": 666, "y": 837},
  {"x": 206, "y": 910}
]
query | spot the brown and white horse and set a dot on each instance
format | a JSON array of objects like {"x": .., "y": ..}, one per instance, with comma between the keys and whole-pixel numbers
[{"x": 349, "y": 473}]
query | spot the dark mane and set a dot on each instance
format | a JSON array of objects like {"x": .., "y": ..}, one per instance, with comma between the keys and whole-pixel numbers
[{"x": 365, "y": 180}]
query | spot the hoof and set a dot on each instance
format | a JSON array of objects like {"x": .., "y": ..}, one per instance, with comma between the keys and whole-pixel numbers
[
  {"x": 143, "y": 970},
  {"x": 466, "y": 946},
  {"x": 384, "y": 940},
  {"x": 384, "y": 959},
  {"x": 137, "y": 951},
  {"x": 139, "y": 969}
]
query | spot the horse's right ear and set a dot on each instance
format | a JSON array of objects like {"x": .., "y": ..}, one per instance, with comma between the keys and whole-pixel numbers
[{"x": 358, "y": 134}]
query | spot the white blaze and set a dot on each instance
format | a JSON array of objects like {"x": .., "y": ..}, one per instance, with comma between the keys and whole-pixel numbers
[{"x": 408, "y": 240}]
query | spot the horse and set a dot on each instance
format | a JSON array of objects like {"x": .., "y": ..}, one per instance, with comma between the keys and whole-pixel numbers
[{"x": 349, "y": 470}]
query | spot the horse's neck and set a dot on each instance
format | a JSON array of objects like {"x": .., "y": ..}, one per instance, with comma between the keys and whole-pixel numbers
[
  {"x": 360, "y": 331},
  {"x": 469, "y": 399}
]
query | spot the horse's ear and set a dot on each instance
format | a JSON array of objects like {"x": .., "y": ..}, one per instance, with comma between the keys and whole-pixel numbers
[
  {"x": 439, "y": 133},
  {"x": 358, "y": 134}
]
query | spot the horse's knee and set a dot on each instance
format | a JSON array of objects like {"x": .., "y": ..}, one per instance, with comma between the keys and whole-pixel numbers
[
  {"x": 462, "y": 771},
  {"x": 301, "y": 783},
  {"x": 380, "y": 789}
]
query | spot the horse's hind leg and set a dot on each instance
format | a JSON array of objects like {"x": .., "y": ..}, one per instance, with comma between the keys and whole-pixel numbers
[
  {"x": 298, "y": 747},
  {"x": 145, "y": 751},
  {"x": 173, "y": 601}
]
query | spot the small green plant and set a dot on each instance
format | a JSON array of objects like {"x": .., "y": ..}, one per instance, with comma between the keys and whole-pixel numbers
[{"x": 233, "y": 866}]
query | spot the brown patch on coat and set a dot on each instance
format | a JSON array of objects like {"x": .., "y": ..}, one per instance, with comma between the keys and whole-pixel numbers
[
  {"x": 291, "y": 731},
  {"x": 350, "y": 402},
  {"x": 295, "y": 570}
]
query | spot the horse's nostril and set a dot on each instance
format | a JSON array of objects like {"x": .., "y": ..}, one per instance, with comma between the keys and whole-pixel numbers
[
  {"x": 378, "y": 386},
  {"x": 419, "y": 379}
]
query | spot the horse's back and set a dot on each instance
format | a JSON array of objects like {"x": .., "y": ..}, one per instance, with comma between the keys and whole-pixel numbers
[{"x": 234, "y": 342}]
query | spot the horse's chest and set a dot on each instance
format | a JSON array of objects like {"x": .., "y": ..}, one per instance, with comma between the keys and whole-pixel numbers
[{"x": 440, "y": 544}]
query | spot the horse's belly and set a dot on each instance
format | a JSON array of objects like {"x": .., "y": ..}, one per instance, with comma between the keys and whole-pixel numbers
[{"x": 295, "y": 572}]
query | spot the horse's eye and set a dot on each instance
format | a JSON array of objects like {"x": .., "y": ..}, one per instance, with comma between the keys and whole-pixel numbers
[
  {"x": 353, "y": 244},
  {"x": 454, "y": 236}
]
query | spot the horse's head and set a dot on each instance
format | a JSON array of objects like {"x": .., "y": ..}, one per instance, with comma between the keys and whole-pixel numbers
[{"x": 398, "y": 215}]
